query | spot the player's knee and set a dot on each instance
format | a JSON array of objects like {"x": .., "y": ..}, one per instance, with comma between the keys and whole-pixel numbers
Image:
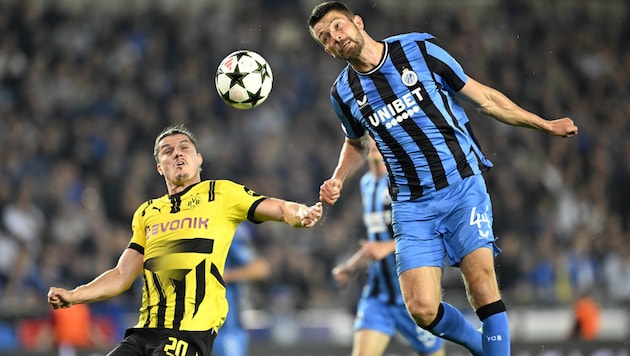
[{"x": 422, "y": 313}]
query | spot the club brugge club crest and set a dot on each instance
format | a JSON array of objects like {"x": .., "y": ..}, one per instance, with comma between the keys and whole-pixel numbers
[{"x": 409, "y": 77}]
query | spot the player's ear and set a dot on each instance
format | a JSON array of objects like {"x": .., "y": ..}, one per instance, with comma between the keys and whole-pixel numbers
[
  {"x": 199, "y": 159},
  {"x": 358, "y": 21},
  {"x": 158, "y": 167},
  {"x": 327, "y": 51}
]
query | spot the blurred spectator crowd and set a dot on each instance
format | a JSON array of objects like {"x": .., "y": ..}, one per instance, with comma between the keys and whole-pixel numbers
[{"x": 86, "y": 86}]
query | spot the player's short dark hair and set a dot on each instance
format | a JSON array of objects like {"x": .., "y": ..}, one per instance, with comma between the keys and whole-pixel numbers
[
  {"x": 173, "y": 130},
  {"x": 322, "y": 9}
]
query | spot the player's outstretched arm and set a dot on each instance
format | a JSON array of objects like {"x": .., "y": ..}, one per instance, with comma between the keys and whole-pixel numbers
[
  {"x": 109, "y": 284},
  {"x": 491, "y": 102},
  {"x": 293, "y": 214}
]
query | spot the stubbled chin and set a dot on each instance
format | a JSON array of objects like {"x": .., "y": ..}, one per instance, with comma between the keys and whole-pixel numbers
[{"x": 181, "y": 177}]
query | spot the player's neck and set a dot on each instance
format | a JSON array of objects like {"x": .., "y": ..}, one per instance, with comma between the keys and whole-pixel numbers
[
  {"x": 370, "y": 57},
  {"x": 175, "y": 188}
]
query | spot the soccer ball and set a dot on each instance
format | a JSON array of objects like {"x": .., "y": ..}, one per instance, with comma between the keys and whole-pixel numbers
[{"x": 244, "y": 79}]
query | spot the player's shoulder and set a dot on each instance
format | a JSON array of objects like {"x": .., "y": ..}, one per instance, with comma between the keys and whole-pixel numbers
[
  {"x": 226, "y": 186},
  {"x": 341, "y": 78},
  {"x": 410, "y": 36},
  {"x": 156, "y": 202}
]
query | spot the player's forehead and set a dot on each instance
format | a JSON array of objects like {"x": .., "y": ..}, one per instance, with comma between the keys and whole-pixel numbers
[
  {"x": 174, "y": 140},
  {"x": 323, "y": 25}
]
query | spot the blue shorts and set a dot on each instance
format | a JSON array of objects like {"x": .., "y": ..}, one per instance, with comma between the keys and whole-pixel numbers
[
  {"x": 447, "y": 224},
  {"x": 373, "y": 314}
]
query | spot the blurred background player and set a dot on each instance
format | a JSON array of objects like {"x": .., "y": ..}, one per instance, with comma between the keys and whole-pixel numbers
[
  {"x": 242, "y": 265},
  {"x": 381, "y": 310}
]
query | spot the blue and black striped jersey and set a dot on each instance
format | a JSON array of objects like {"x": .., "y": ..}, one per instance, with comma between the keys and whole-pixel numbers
[
  {"x": 382, "y": 280},
  {"x": 407, "y": 105}
]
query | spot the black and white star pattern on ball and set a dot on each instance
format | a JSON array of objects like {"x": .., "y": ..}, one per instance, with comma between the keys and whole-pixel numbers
[{"x": 244, "y": 79}]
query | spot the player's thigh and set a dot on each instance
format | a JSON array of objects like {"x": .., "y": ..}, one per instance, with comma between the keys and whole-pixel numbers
[{"x": 370, "y": 343}]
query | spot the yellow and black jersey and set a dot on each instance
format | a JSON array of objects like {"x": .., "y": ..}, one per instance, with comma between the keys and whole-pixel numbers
[{"x": 185, "y": 240}]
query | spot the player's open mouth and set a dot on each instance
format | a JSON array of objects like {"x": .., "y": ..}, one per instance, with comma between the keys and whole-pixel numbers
[{"x": 347, "y": 47}]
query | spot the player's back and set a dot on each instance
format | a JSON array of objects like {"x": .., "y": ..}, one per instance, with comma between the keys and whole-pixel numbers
[{"x": 382, "y": 281}]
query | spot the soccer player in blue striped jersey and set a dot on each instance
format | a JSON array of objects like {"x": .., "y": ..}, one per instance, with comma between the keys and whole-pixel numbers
[
  {"x": 381, "y": 310},
  {"x": 243, "y": 265},
  {"x": 405, "y": 92}
]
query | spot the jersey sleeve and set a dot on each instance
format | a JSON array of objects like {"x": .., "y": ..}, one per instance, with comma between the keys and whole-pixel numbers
[
  {"x": 241, "y": 202},
  {"x": 351, "y": 127}
]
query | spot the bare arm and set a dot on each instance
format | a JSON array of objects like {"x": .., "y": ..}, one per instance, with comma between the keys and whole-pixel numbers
[
  {"x": 258, "y": 269},
  {"x": 369, "y": 251},
  {"x": 377, "y": 250},
  {"x": 351, "y": 158},
  {"x": 109, "y": 284},
  {"x": 490, "y": 102},
  {"x": 293, "y": 214}
]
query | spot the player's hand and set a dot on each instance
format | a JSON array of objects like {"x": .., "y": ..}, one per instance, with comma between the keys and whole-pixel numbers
[
  {"x": 342, "y": 274},
  {"x": 59, "y": 298},
  {"x": 330, "y": 191},
  {"x": 311, "y": 215},
  {"x": 564, "y": 127}
]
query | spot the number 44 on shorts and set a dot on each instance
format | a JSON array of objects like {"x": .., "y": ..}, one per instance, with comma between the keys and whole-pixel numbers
[{"x": 482, "y": 220}]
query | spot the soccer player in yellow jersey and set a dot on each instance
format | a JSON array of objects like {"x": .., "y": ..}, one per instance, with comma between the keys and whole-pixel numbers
[{"x": 179, "y": 244}]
